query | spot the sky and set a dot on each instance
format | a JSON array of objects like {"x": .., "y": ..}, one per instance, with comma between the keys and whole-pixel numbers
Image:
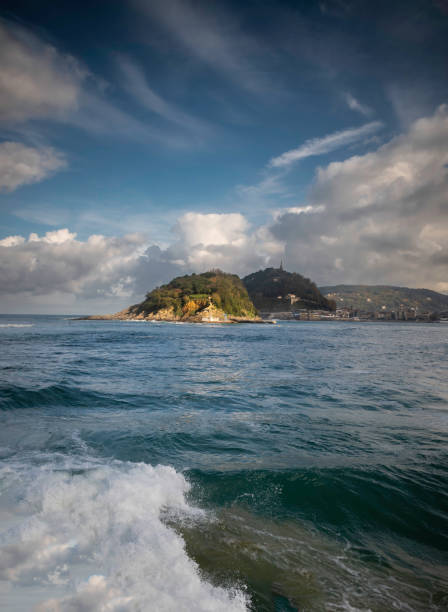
[{"x": 145, "y": 139}]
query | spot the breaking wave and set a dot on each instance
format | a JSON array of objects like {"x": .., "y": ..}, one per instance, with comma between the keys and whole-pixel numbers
[{"x": 95, "y": 539}]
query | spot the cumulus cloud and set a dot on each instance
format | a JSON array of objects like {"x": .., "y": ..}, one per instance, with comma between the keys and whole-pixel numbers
[
  {"x": 21, "y": 164},
  {"x": 221, "y": 240},
  {"x": 320, "y": 146},
  {"x": 211, "y": 229},
  {"x": 205, "y": 241},
  {"x": 110, "y": 272},
  {"x": 58, "y": 264},
  {"x": 386, "y": 214},
  {"x": 36, "y": 81}
]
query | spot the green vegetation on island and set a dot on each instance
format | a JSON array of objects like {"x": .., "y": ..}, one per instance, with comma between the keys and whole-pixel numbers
[
  {"x": 373, "y": 298},
  {"x": 276, "y": 290},
  {"x": 212, "y": 295}
]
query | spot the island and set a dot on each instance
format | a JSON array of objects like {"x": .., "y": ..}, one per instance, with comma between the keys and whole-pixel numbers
[
  {"x": 281, "y": 294},
  {"x": 211, "y": 297}
]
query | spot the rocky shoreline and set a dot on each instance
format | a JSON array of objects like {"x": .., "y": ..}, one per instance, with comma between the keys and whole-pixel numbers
[{"x": 168, "y": 316}]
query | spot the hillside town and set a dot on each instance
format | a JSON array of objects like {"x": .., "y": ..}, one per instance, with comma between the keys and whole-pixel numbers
[{"x": 347, "y": 313}]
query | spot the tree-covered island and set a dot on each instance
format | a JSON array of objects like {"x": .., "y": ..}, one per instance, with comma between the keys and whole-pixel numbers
[{"x": 213, "y": 296}]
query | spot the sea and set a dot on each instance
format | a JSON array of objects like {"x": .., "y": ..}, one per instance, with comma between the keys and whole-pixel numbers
[{"x": 183, "y": 467}]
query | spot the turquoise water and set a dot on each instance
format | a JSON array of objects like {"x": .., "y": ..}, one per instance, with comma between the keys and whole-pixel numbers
[{"x": 154, "y": 466}]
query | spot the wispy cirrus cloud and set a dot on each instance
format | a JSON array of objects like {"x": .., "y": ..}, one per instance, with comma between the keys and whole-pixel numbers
[
  {"x": 274, "y": 182},
  {"x": 98, "y": 115},
  {"x": 39, "y": 82},
  {"x": 212, "y": 36},
  {"x": 270, "y": 185},
  {"x": 137, "y": 85},
  {"x": 355, "y": 105},
  {"x": 321, "y": 146}
]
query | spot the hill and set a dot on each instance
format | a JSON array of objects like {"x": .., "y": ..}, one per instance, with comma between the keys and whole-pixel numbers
[
  {"x": 276, "y": 290},
  {"x": 371, "y": 298},
  {"x": 207, "y": 297}
]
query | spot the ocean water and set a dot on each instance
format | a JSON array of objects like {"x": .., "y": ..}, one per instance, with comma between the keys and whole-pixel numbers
[{"x": 179, "y": 467}]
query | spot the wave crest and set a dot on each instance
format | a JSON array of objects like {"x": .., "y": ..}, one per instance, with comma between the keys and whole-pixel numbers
[{"x": 96, "y": 540}]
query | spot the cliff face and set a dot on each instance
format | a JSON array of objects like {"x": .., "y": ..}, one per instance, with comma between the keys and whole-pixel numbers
[
  {"x": 210, "y": 297},
  {"x": 275, "y": 290}
]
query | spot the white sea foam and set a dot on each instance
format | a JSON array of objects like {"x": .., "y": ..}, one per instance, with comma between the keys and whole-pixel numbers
[
  {"x": 16, "y": 324},
  {"x": 95, "y": 541}
]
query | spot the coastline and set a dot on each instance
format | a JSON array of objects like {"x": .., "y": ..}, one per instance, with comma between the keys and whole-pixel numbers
[{"x": 228, "y": 321}]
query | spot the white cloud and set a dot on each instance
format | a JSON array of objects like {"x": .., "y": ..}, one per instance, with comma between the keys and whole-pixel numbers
[
  {"x": 11, "y": 241},
  {"x": 36, "y": 81},
  {"x": 386, "y": 214},
  {"x": 211, "y": 229},
  {"x": 21, "y": 164},
  {"x": 57, "y": 263},
  {"x": 224, "y": 241},
  {"x": 106, "y": 274},
  {"x": 396, "y": 171},
  {"x": 356, "y": 105},
  {"x": 308, "y": 209},
  {"x": 320, "y": 146},
  {"x": 57, "y": 237}
]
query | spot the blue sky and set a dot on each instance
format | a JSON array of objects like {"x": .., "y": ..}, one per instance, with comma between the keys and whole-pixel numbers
[{"x": 141, "y": 139}]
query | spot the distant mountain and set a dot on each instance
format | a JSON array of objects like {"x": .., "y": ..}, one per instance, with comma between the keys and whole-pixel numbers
[
  {"x": 276, "y": 290},
  {"x": 372, "y": 298}
]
